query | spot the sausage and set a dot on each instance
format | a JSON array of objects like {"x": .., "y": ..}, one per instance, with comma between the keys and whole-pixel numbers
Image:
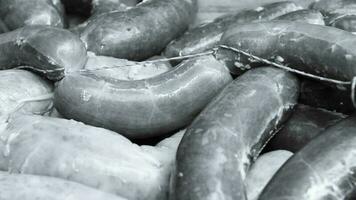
[
  {"x": 329, "y": 6},
  {"x": 263, "y": 170},
  {"x": 124, "y": 69},
  {"x": 326, "y": 96},
  {"x": 29, "y": 187},
  {"x": 47, "y": 50},
  {"x": 319, "y": 50},
  {"x": 323, "y": 169},
  {"x": 345, "y": 22},
  {"x": 304, "y": 15},
  {"x": 19, "y": 13},
  {"x": 25, "y": 92},
  {"x": 142, "y": 108},
  {"x": 338, "y": 13},
  {"x": 208, "y": 35},
  {"x": 304, "y": 125},
  {"x": 88, "y": 155},
  {"x": 140, "y": 32},
  {"x": 222, "y": 142}
]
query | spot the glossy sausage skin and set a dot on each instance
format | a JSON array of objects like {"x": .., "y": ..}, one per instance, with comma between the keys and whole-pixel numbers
[
  {"x": 305, "y": 15},
  {"x": 44, "y": 49},
  {"x": 140, "y": 32},
  {"x": 207, "y": 36},
  {"x": 19, "y": 13},
  {"x": 326, "y": 96},
  {"x": 142, "y": 108},
  {"x": 225, "y": 139},
  {"x": 303, "y": 126},
  {"x": 323, "y": 169},
  {"x": 315, "y": 49}
]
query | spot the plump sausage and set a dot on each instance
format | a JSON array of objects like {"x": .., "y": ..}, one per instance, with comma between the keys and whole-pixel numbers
[
  {"x": 25, "y": 92},
  {"x": 142, "y": 108},
  {"x": 303, "y": 126},
  {"x": 140, "y": 32},
  {"x": 304, "y": 15},
  {"x": 124, "y": 69},
  {"x": 323, "y": 169},
  {"x": 29, "y": 187},
  {"x": 329, "y": 6},
  {"x": 315, "y": 49},
  {"x": 326, "y": 96},
  {"x": 19, "y": 13},
  {"x": 338, "y": 13},
  {"x": 222, "y": 142},
  {"x": 208, "y": 35},
  {"x": 43, "y": 49},
  {"x": 91, "y": 156}
]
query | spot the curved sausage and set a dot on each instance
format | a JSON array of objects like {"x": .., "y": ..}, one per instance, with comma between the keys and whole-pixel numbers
[
  {"x": 47, "y": 50},
  {"x": 326, "y": 96},
  {"x": 140, "y": 32},
  {"x": 29, "y": 187},
  {"x": 303, "y": 126},
  {"x": 142, "y": 108},
  {"x": 304, "y": 15},
  {"x": 223, "y": 141},
  {"x": 88, "y": 155},
  {"x": 328, "y": 6},
  {"x": 19, "y": 13},
  {"x": 208, "y": 35},
  {"x": 323, "y": 169},
  {"x": 25, "y": 92},
  {"x": 124, "y": 69},
  {"x": 315, "y": 49}
]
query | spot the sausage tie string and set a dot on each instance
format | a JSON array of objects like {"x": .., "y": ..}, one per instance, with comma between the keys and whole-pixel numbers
[
  {"x": 214, "y": 51},
  {"x": 320, "y": 78}
]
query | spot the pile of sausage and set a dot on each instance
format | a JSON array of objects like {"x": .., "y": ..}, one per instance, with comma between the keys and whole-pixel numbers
[{"x": 127, "y": 99}]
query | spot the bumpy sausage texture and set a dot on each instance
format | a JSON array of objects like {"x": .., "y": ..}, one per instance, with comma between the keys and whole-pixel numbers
[
  {"x": 23, "y": 91},
  {"x": 19, "y": 13},
  {"x": 140, "y": 32},
  {"x": 29, "y": 187},
  {"x": 222, "y": 142},
  {"x": 303, "y": 126},
  {"x": 91, "y": 156},
  {"x": 142, "y": 108},
  {"x": 208, "y": 35},
  {"x": 324, "y": 169},
  {"x": 315, "y": 49},
  {"x": 47, "y": 50}
]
